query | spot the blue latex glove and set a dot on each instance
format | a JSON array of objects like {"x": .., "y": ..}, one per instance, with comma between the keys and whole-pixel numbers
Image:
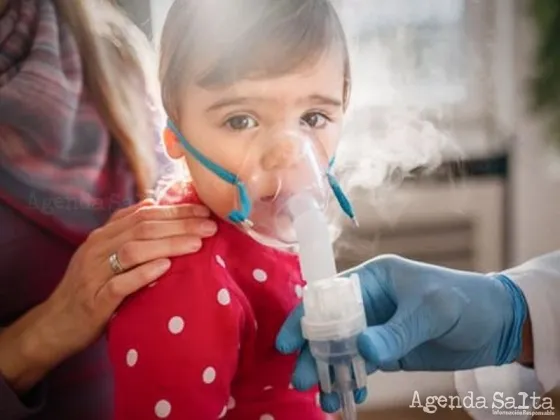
[{"x": 423, "y": 317}]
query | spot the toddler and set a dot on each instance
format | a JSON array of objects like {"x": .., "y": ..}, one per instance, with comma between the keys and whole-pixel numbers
[{"x": 255, "y": 92}]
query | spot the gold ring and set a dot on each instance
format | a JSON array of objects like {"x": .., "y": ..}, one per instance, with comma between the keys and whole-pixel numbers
[{"x": 115, "y": 264}]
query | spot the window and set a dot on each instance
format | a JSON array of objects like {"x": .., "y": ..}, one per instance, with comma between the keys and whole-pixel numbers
[
  {"x": 434, "y": 61},
  {"x": 410, "y": 48},
  {"x": 423, "y": 53}
]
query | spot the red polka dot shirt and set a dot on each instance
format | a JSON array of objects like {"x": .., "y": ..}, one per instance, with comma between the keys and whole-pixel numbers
[{"x": 199, "y": 343}]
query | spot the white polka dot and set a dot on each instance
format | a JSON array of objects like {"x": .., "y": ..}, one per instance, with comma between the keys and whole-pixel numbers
[
  {"x": 223, "y": 413},
  {"x": 176, "y": 325},
  {"x": 231, "y": 403},
  {"x": 299, "y": 290},
  {"x": 266, "y": 417},
  {"x": 209, "y": 375},
  {"x": 260, "y": 275},
  {"x": 220, "y": 261},
  {"x": 162, "y": 409},
  {"x": 267, "y": 388},
  {"x": 152, "y": 284},
  {"x": 318, "y": 399},
  {"x": 290, "y": 386},
  {"x": 131, "y": 357},
  {"x": 256, "y": 325},
  {"x": 223, "y": 297}
]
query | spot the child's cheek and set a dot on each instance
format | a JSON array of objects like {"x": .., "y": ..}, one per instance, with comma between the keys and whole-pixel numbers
[
  {"x": 225, "y": 200},
  {"x": 219, "y": 196},
  {"x": 214, "y": 192}
]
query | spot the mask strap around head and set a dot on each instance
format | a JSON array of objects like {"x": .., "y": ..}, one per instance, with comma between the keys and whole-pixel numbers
[
  {"x": 343, "y": 201},
  {"x": 235, "y": 216}
]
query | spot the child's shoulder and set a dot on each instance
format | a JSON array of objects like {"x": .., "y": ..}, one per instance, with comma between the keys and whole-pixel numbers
[{"x": 200, "y": 275}]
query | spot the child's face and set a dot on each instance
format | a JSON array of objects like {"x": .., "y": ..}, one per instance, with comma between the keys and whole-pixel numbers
[{"x": 224, "y": 124}]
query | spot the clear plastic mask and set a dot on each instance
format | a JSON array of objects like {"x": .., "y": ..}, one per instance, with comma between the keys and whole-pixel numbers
[{"x": 275, "y": 170}]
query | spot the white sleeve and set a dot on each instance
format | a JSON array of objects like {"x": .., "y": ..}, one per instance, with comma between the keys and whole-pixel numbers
[{"x": 540, "y": 281}]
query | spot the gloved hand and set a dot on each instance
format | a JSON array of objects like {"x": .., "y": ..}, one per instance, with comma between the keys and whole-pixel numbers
[{"x": 423, "y": 317}]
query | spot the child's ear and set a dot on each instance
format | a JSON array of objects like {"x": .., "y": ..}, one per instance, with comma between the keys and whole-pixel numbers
[{"x": 172, "y": 145}]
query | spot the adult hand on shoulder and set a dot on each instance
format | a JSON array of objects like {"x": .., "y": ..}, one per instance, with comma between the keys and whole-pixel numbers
[
  {"x": 142, "y": 237},
  {"x": 423, "y": 317}
]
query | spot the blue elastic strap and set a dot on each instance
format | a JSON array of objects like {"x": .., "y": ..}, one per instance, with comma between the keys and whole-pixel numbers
[
  {"x": 236, "y": 216},
  {"x": 341, "y": 197}
]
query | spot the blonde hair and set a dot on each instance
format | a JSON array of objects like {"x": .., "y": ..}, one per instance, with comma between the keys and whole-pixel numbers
[
  {"x": 242, "y": 39},
  {"x": 117, "y": 59}
]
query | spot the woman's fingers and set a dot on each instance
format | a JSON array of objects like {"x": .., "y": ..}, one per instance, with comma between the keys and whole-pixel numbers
[
  {"x": 119, "y": 287},
  {"x": 158, "y": 229},
  {"x": 134, "y": 253},
  {"x": 149, "y": 213},
  {"x": 184, "y": 236},
  {"x": 119, "y": 214},
  {"x": 145, "y": 232},
  {"x": 176, "y": 211}
]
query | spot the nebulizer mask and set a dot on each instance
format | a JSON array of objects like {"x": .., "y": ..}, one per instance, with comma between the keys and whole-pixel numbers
[
  {"x": 283, "y": 187},
  {"x": 278, "y": 166}
]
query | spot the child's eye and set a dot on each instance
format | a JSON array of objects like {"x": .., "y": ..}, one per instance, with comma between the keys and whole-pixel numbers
[
  {"x": 315, "y": 120},
  {"x": 241, "y": 122}
]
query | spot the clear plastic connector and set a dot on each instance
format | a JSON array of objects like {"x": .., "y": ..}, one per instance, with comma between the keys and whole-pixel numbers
[{"x": 333, "y": 306}]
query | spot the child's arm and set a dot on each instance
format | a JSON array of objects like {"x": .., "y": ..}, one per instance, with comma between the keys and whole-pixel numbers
[{"x": 174, "y": 346}]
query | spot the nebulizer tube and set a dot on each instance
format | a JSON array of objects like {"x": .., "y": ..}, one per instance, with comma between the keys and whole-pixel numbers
[{"x": 333, "y": 306}]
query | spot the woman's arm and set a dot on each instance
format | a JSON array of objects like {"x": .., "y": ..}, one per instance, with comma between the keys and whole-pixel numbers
[
  {"x": 27, "y": 350},
  {"x": 144, "y": 236},
  {"x": 26, "y": 355}
]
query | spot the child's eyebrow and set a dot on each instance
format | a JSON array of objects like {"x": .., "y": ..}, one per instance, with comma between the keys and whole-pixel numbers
[
  {"x": 225, "y": 102},
  {"x": 316, "y": 99},
  {"x": 324, "y": 100}
]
